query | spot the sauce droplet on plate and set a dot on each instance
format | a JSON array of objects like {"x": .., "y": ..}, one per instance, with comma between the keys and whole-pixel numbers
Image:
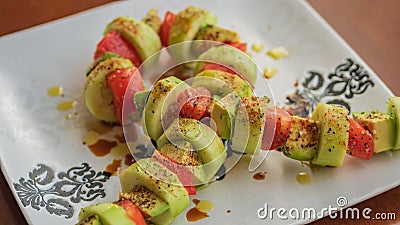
[
  {"x": 228, "y": 211},
  {"x": 259, "y": 176},
  {"x": 194, "y": 215},
  {"x": 200, "y": 211},
  {"x": 99, "y": 127},
  {"x": 120, "y": 138},
  {"x": 68, "y": 116},
  {"x": 205, "y": 206},
  {"x": 90, "y": 138},
  {"x": 66, "y": 105},
  {"x": 102, "y": 147},
  {"x": 54, "y": 91},
  {"x": 120, "y": 150},
  {"x": 129, "y": 160},
  {"x": 113, "y": 167},
  {"x": 303, "y": 178}
]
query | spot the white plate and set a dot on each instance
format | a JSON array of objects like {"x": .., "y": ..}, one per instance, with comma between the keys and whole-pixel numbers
[{"x": 58, "y": 53}]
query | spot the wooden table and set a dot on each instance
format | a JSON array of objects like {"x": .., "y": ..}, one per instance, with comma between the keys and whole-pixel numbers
[{"x": 372, "y": 28}]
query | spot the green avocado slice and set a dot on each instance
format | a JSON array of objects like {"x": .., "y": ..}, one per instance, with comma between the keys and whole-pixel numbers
[
  {"x": 216, "y": 33},
  {"x": 249, "y": 124},
  {"x": 302, "y": 141},
  {"x": 230, "y": 82},
  {"x": 188, "y": 22},
  {"x": 393, "y": 109},
  {"x": 185, "y": 27},
  {"x": 157, "y": 103},
  {"x": 149, "y": 203},
  {"x": 91, "y": 220},
  {"x": 153, "y": 20},
  {"x": 186, "y": 157},
  {"x": 159, "y": 180},
  {"x": 334, "y": 134},
  {"x": 381, "y": 126},
  {"x": 109, "y": 214},
  {"x": 140, "y": 100},
  {"x": 209, "y": 34},
  {"x": 204, "y": 140},
  {"x": 223, "y": 113},
  {"x": 231, "y": 57},
  {"x": 105, "y": 56}
]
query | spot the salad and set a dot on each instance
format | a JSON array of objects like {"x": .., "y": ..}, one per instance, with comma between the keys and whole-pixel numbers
[{"x": 192, "y": 121}]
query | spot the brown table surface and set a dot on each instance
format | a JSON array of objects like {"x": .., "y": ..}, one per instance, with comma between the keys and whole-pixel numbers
[{"x": 372, "y": 28}]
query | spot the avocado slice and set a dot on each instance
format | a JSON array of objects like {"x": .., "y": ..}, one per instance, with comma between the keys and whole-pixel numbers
[
  {"x": 230, "y": 82},
  {"x": 334, "y": 134},
  {"x": 186, "y": 157},
  {"x": 91, "y": 220},
  {"x": 302, "y": 141},
  {"x": 161, "y": 181},
  {"x": 232, "y": 58},
  {"x": 142, "y": 37},
  {"x": 109, "y": 214},
  {"x": 204, "y": 140},
  {"x": 249, "y": 124},
  {"x": 105, "y": 56},
  {"x": 140, "y": 100},
  {"x": 216, "y": 33},
  {"x": 96, "y": 94},
  {"x": 149, "y": 203},
  {"x": 185, "y": 27},
  {"x": 382, "y": 127},
  {"x": 153, "y": 19},
  {"x": 223, "y": 113},
  {"x": 157, "y": 103},
  {"x": 393, "y": 109}
]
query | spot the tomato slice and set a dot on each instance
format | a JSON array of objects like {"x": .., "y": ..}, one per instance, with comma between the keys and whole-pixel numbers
[
  {"x": 114, "y": 42},
  {"x": 361, "y": 143},
  {"x": 181, "y": 171},
  {"x": 118, "y": 81},
  {"x": 132, "y": 211},
  {"x": 214, "y": 66},
  {"x": 166, "y": 27},
  {"x": 273, "y": 139},
  {"x": 242, "y": 46},
  {"x": 194, "y": 103}
]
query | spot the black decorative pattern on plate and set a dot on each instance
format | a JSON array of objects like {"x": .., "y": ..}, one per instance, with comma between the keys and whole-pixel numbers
[
  {"x": 56, "y": 195},
  {"x": 348, "y": 80}
]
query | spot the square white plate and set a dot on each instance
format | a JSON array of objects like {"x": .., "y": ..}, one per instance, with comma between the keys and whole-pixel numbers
[{"x": 42, "y": 154}]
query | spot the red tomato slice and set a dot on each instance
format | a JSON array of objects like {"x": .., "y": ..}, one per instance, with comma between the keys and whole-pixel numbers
[
  {"x": 361, "y": 143},
  {"x": 166, "y": 27},
  {"x": 214, "y": 66},
  {"x": 194, "y": 103},
  {"x": 118, "y": 81},
  {"x": 116, "y": 43},
  {"x": 181, "y": 171},
  {"x": 273, "y": 139},
  {"x": 132, "y": 211},
  {"x": 242, "y": 46}
]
